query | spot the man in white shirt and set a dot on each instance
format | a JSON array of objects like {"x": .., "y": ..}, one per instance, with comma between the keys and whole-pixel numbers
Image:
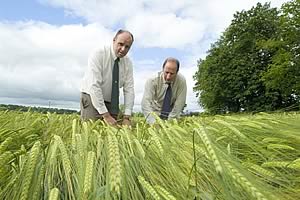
[
  {"x": 108, "y": 70},
  {"x": 165, "y": 93}
]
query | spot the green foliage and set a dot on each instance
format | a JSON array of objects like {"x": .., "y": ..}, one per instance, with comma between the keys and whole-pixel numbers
[
  {"x": 254, "y": 66},
  {"x": 283, "y": 73}
]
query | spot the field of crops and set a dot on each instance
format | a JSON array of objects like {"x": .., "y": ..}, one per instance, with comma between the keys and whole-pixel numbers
[{"x": 218, "y": 157}]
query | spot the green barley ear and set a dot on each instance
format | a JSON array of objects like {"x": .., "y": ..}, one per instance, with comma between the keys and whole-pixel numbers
[
  {"x": 128, "y": 139},
  {"x": 164, "y": 193},
  {"x": 273, "y": 139},
  {"x": 74, "y": 132},
  {"x": 64, "y": 155},
  {"x": 148, "y": 187},
  {"x": 295, "y": 164},
  {"x": 157, "y": 140},
  {"x": 87, "y": 186},
  {"x": 209, "y": 147},
  {"x": 260, "y": 170},
  {"x": 79, "y": 146},
  {"x": 139, "y": 147},
  {"x": 231, "y": 127},
  {"x": 283, "y": 164},
  {"x": 37, "y": 189},
  {"x": 5, "y": 144},
  {"x": 244, "y": 182},
  {"x": 54, "y": 194},
  {"x": 279, "y": 164},
  {"x": 114, "y": 163},
  {"x": 280, "y": 146},
  {"x": 85, "y": 135},
  {"x": 74, "y": 127},
  {"x": 30, "y": 168},
  {"x": 5, "y": 159}
]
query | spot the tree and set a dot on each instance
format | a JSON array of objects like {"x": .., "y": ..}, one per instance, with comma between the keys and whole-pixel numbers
[
  {"x": 283, "y": 73},
  {"x": 232, "y": 77}
]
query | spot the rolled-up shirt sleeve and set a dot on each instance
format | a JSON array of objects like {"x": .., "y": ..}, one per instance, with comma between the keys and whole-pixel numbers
[{"x": 128, "y": 90}]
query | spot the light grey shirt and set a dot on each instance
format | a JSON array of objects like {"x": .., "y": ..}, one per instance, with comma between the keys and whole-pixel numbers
[
  {"x": 154, "y": 94},
  {"x": 97, "y": 81}
]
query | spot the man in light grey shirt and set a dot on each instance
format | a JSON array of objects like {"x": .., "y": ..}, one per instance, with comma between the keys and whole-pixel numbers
[
  {"x": 169, "y": 83},
  {"x": 106, "y": 67}
]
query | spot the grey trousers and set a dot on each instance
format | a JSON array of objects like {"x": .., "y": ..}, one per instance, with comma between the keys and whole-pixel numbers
[{"x": 88, "y": 111}]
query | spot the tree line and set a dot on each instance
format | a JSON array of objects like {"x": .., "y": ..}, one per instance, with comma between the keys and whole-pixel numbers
[
  {"x": 36, "y": 109},
  {"x": 255, "y": 64}
]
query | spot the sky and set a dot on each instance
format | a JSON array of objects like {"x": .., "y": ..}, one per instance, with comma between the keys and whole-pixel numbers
[{"x": 45, "y": 44}]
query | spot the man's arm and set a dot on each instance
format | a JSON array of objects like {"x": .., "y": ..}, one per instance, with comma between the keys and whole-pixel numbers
[
  {"x": 148, "y": 97},
  {"x": 180, "y": 100},
  {"x": 128, "y": 90},
  {"x": 95, "y": 64},
  {"x": 94, "y": 82}
]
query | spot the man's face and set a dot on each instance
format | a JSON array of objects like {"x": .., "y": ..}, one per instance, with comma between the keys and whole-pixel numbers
[
  {"x": 170, "y": 71},
  {"x": 122, "y": 44}
]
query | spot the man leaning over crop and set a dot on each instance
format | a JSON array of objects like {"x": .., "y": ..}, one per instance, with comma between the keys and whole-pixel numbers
[
  {"x": 108, "y": 70},
  {"x": 165, "y": 93}
]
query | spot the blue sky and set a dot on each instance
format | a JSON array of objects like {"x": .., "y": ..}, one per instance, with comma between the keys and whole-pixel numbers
[
  {"x": 35, "y": 10},
  {"x": 45, "y": 43}
]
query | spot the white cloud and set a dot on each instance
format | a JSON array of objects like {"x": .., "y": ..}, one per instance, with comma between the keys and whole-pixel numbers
[
  {"x": 39, "y": 60},
  {"x": 107, "y": 12},
  {"x": 156, "y": 23},
  {"x": 164, "y": 30}
]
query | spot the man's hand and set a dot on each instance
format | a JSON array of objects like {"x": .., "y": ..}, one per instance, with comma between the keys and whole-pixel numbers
[
  {"x": 109, "y": 119},
  {"x": 126, "y": 121}
]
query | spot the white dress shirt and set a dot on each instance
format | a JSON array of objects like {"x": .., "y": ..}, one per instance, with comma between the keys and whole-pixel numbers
[
  {"x": 154, "y": 93},
  {"x": 97, "y": 81}
]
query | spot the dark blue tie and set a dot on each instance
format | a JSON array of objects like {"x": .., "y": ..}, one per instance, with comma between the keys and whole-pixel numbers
[
  {"x": 115, "y": 89},
  {"x": 166, "y": 107}
]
